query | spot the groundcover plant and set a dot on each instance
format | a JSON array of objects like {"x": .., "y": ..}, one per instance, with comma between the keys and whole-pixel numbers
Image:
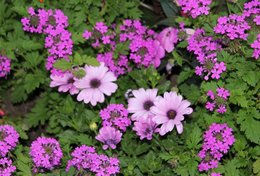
[{"x": 130, "y": 87}]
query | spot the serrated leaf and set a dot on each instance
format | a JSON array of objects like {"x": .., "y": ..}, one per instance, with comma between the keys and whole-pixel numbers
[
  {"x": 89, "y": 60},
  {"x": 256, "y": 166},
  {"x": 62, "y": 64},
  {"x": 170, "y": 9},
  {"x": 184, "y": 75},
  {"x": 193, "y": 138}
]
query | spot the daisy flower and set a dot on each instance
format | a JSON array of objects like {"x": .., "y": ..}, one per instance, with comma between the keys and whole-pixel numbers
[
  {"x": 64, "y": 82},
  {"x": 142, "y": 102},
  {"x": 97, "y": 82},
  {"x": 169, "y": 112}
]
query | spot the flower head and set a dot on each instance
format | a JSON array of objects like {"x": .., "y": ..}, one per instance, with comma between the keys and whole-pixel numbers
[
  {"x": 109, "y": 136},
  {"x": 46, "y": 153},
  {"x": 64, "y": 82},
  {"x": 169, "y": 112},
  {"x": 115, "y": 115},
  {"x": 140, "y": 105},
  {"x": 6, "y": 167},
  {"x": 97, "y": 82},
  {"x": 8, "y": 139},
  {"x": 5, "y": 66},
  {"x": 145, "y": 128}
]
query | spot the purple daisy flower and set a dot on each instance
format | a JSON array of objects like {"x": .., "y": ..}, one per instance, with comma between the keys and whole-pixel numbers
[
  {"x": 142, "y": 102},
  {"x": 169, "y": 111},
  {"x": 64, "y": 82},
  {"x": 109, "y": 136},
  {"x": 46, "y": 153},
  {"x": 97, "y": 82}
]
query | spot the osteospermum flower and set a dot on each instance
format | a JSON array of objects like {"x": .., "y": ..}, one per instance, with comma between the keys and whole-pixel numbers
[
  {"x": 6, "y": 167},
  {"x": 97, "y": 82},
  {"x": 8, "y": 139},
  {"x": 109, "y": 136},
  {"x": 82, "y": 158},
  {"x": 106, "y": 166},
  {"x": 64, "y": 82},
  {"x": 140, "y": 105},
  {"x": 115, "y": 115},
  {"x": 45, "y": 153},
  {"x": 145, "y": 128},
  {"x": 168, "y": 38},
  {"x": 5, "y": 66},
  {"x": 169, "y": 112}
]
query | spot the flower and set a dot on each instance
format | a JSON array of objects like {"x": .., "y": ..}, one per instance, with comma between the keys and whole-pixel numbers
[
  {"x": 6, "y": 167},
  {"x": 140, "y": 105},
  {"x": 251, "y": 10},
  {"x": 106, "y": 166},
  {"x": 169, "y": 111},
  {"x": 215, "y": 174},
  {"x": 64, "y": 82},
  {"x": 97, "y": 82},
  {"x": 256, "y": 47},
  {"x": 82, "y": 158},
  {"x": 109, "y": 136},
  {"x": 115, "y": 115},
  {"x": 209, "y": 157},
  {"x": 8, "y": 139},
  {"x": 168, "y": 38},
  {"x": 5, "y": 66},
  {"x": 145, "y": 128},
  {"x": 46, "y": 153},
  {"x": 55, "y": 20}
]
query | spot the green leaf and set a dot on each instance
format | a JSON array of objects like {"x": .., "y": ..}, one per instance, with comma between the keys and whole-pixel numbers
[
  {"x": 89, "y": 60},
  {"x": 177, "y": 57},
  {"x": 193, "y": 138},
  {"x": 231, "y": 169},
  {"x": 62, "y": 64},
  {"x": 33, "y": 81},
  {"x": 20, "y": 10},
  {"x": 170, "y": 9},
  {"x": 185, "y": 74},
  {"x": 256, "y": 167}
]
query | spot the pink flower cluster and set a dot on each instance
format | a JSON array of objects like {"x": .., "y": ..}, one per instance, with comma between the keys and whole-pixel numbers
[
  {"x": 153, "y": 113},
  {"x": 256, "y": 47},
  {"x": 142, "y": 47},
  {"x": 53, "y": 24},
  {"x": 8, "y": 139},
  {"x": 217, "y": 141},
  {"x": 45, "y": 153},
  {"x": 85, "y": 159},
  {"x": 195, "y": 7},
  {"x": 218, "y": 100},
  {"x": 115, "y": 115},
  {"x": 252, "y": 9},
  {"x": 91, "y": 88},
  {"x": 205, "y": 48},
  {"x": 234, "y": 27},
  {"x": 6, "y": 167},
  {"x": 5, "y": 66}
]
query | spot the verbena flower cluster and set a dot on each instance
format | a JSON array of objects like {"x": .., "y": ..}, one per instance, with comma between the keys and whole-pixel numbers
[
  {"x": 46, "y": 153},
  {"x": 153, "y": 113},
  {"x": 205, "y": 48},
  {"x": 195, "y": 8},
  {"x": 58, "y": 40},
  {"x": 252, "y": 9},
  {"x": 218, "y": 100},
  {"x": 85, "y": 159},
  {"x": 233, "y": 26},
  {"x": 217, "y": 141},
  {"x": 8, "y": 141},
  {"x": 256, "y": 47},
  {"x": 5, "y": 66}
]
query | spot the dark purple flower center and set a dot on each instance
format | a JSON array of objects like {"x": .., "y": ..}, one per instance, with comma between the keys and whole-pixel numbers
[
  {"x": 105, "y": 164},
  {"x": 208, "y": 157},
  {"x": 52, "y": 20},
  {"x": 35, "y": 21},
  {"x": 147, "y": 131},
  {"x": 71, "y": 80},
  {"x": 209, "y": 64},
  {"x": 111, "y": 141},
  {"x": 147, "y": 105},
  {"x": 96, "y": 34},
  {"x": 56, "y": 39},
  {"x": 95, "y": 83},
  {"x": 171, "y": 114}
]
